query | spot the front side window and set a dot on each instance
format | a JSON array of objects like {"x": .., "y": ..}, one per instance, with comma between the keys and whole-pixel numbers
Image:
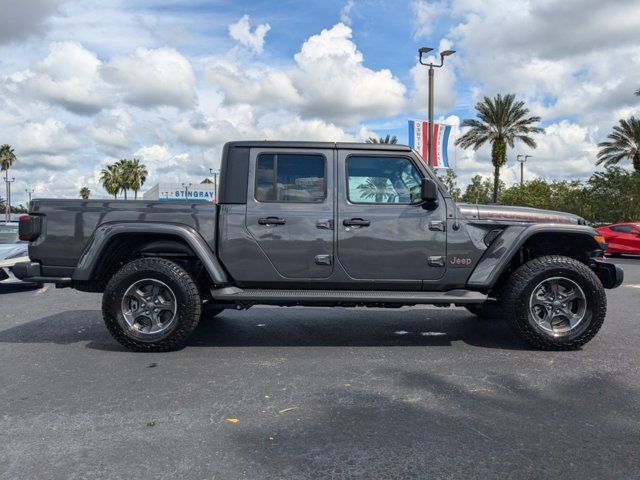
[
  {"x": 382, "y": 180},
  {"x": 290, "y": 178}
]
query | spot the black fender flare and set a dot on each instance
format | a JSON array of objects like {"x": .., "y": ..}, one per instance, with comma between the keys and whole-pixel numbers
[
  {"x": 103, "y": 235},
  {"x": 503, "y": 249}
]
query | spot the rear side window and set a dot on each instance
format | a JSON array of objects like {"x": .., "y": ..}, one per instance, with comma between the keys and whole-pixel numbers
[
  {"x": 382, "y": 180},
  {"x": 623, "y": 228},
  {"x": 291, "y": 178}
]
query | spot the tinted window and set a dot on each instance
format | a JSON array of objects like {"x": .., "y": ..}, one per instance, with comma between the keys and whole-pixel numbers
[
  {"x": 382, "y": 180},
  {"x": 290, "y": 178},
  {"x": 8, "y": 233},
  {"x": 623, "y": 229}
]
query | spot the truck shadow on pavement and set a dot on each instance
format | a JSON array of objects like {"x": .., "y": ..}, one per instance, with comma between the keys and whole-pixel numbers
[
  {"x": 292, "y": 327},
  {"x": 417, "y": 424}
]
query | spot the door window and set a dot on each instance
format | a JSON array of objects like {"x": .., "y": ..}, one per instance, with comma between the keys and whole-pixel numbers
[
  {"x": 291, "y": 178},
  {"x": 393, "y": 180}
]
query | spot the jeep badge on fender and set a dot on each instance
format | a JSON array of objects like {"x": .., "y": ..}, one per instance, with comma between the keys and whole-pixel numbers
[{"x": 455, "y": 261}]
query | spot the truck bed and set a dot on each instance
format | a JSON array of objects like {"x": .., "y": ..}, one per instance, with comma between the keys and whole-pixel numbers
[{"x": 68, "y": 225}]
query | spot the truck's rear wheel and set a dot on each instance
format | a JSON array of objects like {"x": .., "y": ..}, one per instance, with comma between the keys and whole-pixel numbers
[
  {"x": 152, "y": 305},
  {"x": 555, "y": 303}
]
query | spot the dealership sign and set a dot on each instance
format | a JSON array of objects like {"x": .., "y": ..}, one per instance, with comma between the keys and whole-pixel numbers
[
  {"x": 172, "y": 191},
  {"x": 196, "y": 194}
]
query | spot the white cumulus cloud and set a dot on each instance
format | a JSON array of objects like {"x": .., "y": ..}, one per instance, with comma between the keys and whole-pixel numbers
[
  {"x": 329, "y": 81},
  {"x": 242, "y": 33},
  {"x": 153, "y": 77}
]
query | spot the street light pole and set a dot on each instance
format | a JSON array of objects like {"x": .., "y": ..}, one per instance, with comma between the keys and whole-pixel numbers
[
  {"x": 29, "y": 192},
  {"x": 6, "y": 205},
  {"x": 8, "y": 183},
  {"x": 521, "y": 170},
  {"x": 522, "y": 162},
  {"x": 431, "y": 66}
]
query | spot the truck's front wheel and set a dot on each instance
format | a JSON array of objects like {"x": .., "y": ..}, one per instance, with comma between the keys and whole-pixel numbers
[
  {"x": 151, "y": 305},
  {"x": 555, "y": 303}
]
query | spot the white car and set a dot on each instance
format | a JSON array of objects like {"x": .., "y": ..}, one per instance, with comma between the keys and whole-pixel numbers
[{"x": 12, "y": 251}]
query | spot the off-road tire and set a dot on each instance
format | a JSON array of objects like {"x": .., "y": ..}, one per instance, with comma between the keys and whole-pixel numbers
[
  {"x": 489, "y": 310},
  {"x": 518, "y": 290},
  {"x": 188, "y": 305}
]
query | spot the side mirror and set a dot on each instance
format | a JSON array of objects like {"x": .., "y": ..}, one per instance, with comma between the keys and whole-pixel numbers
[{"x": 429, "y": 193}]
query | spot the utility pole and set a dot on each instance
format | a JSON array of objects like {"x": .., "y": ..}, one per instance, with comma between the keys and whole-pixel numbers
[{"x": 431, "y": 66}]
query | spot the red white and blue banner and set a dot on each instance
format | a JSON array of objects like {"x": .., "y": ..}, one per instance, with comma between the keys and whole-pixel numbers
[{"x": 419, "y": 140}]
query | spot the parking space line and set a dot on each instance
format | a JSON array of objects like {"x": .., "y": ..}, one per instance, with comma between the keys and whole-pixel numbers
[{"x": 43, "y": 289}]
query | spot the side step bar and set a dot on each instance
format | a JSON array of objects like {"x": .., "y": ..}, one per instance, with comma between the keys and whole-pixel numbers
[{"x": 310, "y": 297}]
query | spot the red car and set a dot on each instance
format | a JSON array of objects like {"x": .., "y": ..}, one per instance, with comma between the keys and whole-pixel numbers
[{"x": 622, "y": 238}]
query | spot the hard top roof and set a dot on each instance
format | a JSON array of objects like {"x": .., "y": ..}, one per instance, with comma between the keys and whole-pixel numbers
[{"x": 319, "y": 145}]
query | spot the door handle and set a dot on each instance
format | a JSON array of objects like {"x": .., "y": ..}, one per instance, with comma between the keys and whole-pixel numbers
[
  {"x": 356, "y": 222},
  {"x": 272, "y": 221}
]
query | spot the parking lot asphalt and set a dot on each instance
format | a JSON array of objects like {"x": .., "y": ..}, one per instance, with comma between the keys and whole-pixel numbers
[{"x": 315, "y": 393}]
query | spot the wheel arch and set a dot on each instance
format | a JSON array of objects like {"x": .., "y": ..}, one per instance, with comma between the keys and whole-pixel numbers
[
  {"x": 115, "y": 242},
  {"x": 518, "y": 244}
]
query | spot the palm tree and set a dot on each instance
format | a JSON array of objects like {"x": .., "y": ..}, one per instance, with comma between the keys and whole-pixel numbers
[
  {"x": 110, "y": 179},
  {"x": 501, "y": 121},
  {"x": 85, "y": 193},
  {"x": 7, "y": 157},
  {"x": 376, "y": 188},
  {"x": 125, "y": 176},
  {"x": 637, "y": 92},
  {"x": 388, "y": 139},
  {"x": 623, "y": 143},
  {"x": 138, "y": 175}
]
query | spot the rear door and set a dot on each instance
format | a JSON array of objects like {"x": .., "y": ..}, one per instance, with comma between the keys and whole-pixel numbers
[
  {"x": 384, "y": 233},
  {"x": 290, "y": 210}
]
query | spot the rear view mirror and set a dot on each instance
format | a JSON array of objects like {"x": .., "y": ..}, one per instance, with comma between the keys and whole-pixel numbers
[{"x": 429, "y": 192}]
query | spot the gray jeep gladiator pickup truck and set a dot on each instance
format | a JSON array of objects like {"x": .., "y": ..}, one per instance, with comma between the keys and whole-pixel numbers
[{"x": 321, "y": 224}]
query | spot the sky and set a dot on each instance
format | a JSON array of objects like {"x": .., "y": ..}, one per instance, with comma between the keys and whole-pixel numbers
[{"x": 84, "y": 83}]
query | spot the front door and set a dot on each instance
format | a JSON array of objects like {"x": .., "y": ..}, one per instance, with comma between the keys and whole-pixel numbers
[
  {"x": 290, "y": 212},
  {"x": 384, "y": 233}
]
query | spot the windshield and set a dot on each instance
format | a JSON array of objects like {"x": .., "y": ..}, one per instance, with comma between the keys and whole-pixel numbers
[{"x": 8, "y": 233}]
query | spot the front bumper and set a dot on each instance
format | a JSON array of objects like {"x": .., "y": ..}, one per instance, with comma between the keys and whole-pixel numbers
[{"x": 610, "y": 275}]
